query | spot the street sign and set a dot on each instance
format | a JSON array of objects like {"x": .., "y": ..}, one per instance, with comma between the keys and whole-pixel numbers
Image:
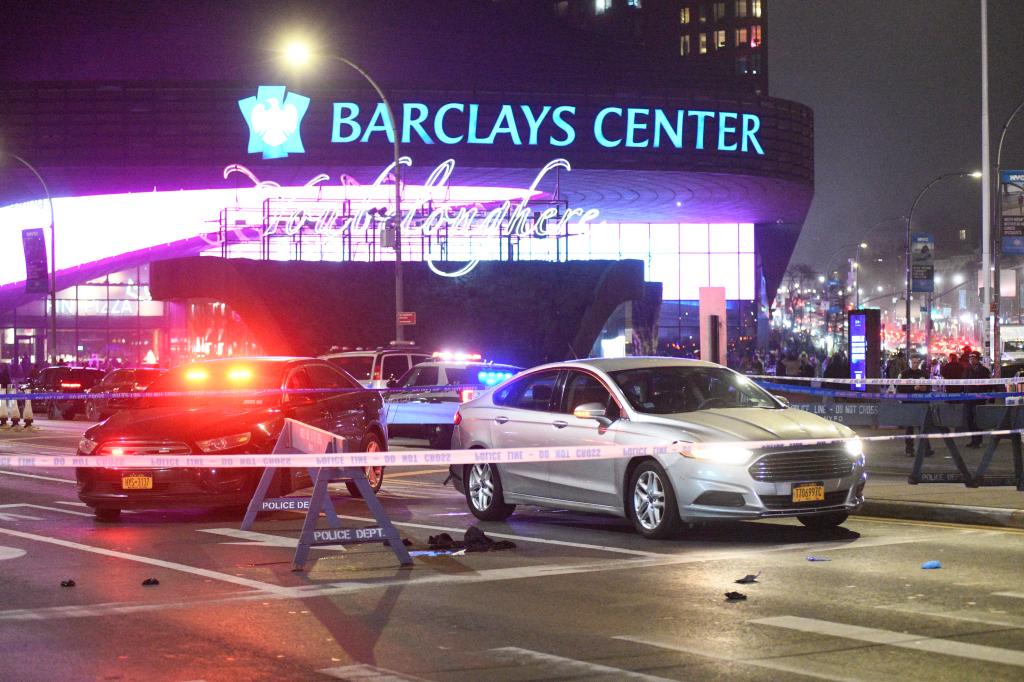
[{"x": 407, "y": 319}]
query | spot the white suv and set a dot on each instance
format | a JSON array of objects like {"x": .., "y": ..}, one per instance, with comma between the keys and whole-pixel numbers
[{"x": 375, "y": 368}]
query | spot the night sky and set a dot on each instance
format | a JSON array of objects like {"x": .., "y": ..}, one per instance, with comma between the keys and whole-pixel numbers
[
  {"x": 894, "y": 84},
  {"x": 896, "y": 90}
]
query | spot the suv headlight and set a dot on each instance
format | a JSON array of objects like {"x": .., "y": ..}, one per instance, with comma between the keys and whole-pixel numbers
[
  {"x": 86, "y": 446},
  {"x": 719, "y": 452},
  {"x": 224, "y": 442}
]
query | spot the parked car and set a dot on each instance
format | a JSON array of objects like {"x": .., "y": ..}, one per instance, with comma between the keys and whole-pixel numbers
[
  {"x": 219, "y": 424},
  {"x": 657, "y": 401},
  {"x": 61, "y": 379},
  {"x": 375, "y": 368},
  {"x": 427, "y": 396},
  {"x": 118, "y": 381}
]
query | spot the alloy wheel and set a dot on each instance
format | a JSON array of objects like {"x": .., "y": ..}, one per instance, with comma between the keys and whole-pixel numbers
[
  {"x": 481, "y": 486},
  {"x": 649, "y": 500}
]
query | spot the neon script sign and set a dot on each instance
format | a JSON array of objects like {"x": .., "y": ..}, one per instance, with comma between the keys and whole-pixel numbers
[
  {"x": 526, "y": 125},
  {"x": 426, "y": 213}
]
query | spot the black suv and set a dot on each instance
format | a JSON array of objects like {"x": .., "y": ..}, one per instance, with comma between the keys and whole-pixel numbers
[
  {"x": 62, "y": 379},
  {"x": 224, "y": 424},
  {"x": 118, "y": 381}
]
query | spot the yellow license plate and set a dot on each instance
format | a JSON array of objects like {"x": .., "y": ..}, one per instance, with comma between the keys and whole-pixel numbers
[
  {"x": 136, "y": 483},
  {"x": 809, "y": 492}
]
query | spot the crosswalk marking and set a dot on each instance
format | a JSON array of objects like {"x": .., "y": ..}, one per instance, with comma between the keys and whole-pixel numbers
[
  {"x": 803, "y": 668},
  {"x": 558, "y": 667},
  {"x": 979, "y": 652},
  {"x": 967, "y": 615},
  {"x": 369, "y": 673}
]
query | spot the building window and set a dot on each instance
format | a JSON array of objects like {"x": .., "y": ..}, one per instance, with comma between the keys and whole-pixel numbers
[
  {"x": 741, "y": 37},
  {"x": 602, "y": 6},
  {"x": 719, "y": 39},
  {"x": 702, "y": 13},
  {"x": 755, "y": 36},
  {"x": 755, "y": 63},
  {"x": 684, "y": 15},
  {"x": 755, "y": 8},
  {"x": 703, "y": 43},
  {"x": 719, "y": 8},
  {"x": 963, "y": 234},
  {"x": 741, "y": 65},
  {"x": 684, "y": 45},
  {"x": 741, "y": 8}
]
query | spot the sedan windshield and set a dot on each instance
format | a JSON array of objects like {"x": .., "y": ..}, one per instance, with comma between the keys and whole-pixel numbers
[
  {"x": 196, "y": 378},
  {"x": 674, "y": 389}
]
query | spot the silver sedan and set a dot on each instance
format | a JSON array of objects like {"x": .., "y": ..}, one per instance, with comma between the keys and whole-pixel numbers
[{"x": 657, "y": 401}]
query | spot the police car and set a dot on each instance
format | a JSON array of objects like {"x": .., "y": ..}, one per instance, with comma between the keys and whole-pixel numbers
[{"x": 422, "y": 403}]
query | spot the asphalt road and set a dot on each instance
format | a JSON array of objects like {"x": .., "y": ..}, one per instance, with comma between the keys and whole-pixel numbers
[{"x": 580, "y": 597}]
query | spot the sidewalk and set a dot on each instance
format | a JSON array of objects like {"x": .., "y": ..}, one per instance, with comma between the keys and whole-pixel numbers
[{"x": 889, "y": 495}]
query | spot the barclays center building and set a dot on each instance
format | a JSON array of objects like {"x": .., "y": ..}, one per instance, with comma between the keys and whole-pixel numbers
[{"x": 181, "y": 202}]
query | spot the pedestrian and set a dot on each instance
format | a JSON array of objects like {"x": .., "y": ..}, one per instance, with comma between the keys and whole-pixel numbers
[
  {"x": 26, "y": 366},
  {"x": 806, "y": 369},
  {"x": 915, "y": 372},
  {"x": 5, "y": 374},
  {"x": 975, "y": 370}
]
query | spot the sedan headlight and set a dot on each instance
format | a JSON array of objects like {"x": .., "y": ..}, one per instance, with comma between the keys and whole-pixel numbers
[
  {"x": 86, "y": 446},
  {"x": 854, "y": 448},
  {"x": 719, "y": 452},
  {"x": 224, "y": 442}
]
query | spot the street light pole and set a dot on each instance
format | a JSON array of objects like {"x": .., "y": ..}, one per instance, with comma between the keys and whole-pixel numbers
[
  {"x": 53, "y": 258},
  {"x": 906, "y": 253},
  {"x": 996, "y": 345}
]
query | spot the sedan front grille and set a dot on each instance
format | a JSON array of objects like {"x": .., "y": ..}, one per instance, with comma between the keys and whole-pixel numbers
[
  {"x": 143, "y": 447},
  {"x": 808, "y": 465}
]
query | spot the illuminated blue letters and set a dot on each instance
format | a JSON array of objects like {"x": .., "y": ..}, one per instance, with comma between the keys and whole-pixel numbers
[
  {"x": 599, "y": 127},
  {"x": 506, "y": 123},
  {"x": 380, "y": 121},
  {"x": 700, "y": 116},
  {"x": 675, "y": 134},
  {"x": 570, "y": 131},
  {"x": 413, "y": 116},
  {"x": 534, "y": 123},
  {"x": 354, "y": 128},
  {"x": 724, "y": 130},
  {"x": 439, "y": 132},
  {"x": 633, "y": 126},
  {"x": 751, "y": 124}
]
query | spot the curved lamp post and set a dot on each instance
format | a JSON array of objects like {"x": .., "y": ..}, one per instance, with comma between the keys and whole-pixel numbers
[
  {"x": 906, "y": 254},
  {"x": 53, "y": 256},
  {"x": 300, "y": 54}
]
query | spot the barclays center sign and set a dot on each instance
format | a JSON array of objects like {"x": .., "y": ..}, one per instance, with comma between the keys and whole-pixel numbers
[{"x": 275, "y": 119}]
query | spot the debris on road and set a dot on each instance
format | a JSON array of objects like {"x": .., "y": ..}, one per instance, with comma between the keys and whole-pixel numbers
[
  {"x": 475, "y": 541},
  {"x": 931, "y": 564},
  {"x": 818, "y": 558},
  {"x": 67, "y": 583},
  {"x": 150, "y": 581},
  {"x": 735, "y": 596},
  {"x": 747, "y": 579}
]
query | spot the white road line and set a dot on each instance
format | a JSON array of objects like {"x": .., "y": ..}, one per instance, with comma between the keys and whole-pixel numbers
[
  {"x": 559, "y": 667},
  {"x": 948, "y": 647},
  {"x": 40, "y": 506},
  {"x": 71, "y": 504},
  {"x": 967, "y": 615},
  {"x": 215, "y": 575},
  {"x": 1012, "y": 595},
  {"x": 370, "y": 673},
  {"x": 20, "y": 474},
  {"x": 804, "y": 668}
]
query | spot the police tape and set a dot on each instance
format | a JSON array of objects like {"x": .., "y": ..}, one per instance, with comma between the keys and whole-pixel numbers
[
  {"x": 931, "y": 381},
  {"x": 923, "y": 397},
  {"x": 738, "y": 453}
]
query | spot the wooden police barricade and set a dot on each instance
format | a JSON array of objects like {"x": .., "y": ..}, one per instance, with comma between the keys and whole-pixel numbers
[{"x": 298, "y": 438}]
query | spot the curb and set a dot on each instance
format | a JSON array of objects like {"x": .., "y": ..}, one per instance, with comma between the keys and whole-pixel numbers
[{"x": 946, "y": 513}]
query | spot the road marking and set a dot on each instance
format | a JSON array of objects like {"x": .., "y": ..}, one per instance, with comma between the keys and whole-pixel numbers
[
  {"x": 948, "y": 647},
  {"x": 12, "y": 516},
  {"x": 803, "y": 668},
  {"x": 71, "y": 504},
  {"x": 40, "y": 506},
  {"x": 371, "y": 673},
  {"x": 20, "y": 474},
  {"x": 968, "y": 615},
  {"x": 935, "y": 524},
  {"x": 560, "y": 667},
  {"x": 215, "y": 575},
  {"x": 425, "y": 472},
  {"x": 10, "y": 552},
  {"x": 1012, "y": 595},
  {"x": 254, "y": 539}
]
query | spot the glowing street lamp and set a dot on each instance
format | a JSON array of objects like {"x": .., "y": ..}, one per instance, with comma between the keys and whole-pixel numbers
[
  {"x": 53, "y": 259},
  {"x": 300, "y": 55}
]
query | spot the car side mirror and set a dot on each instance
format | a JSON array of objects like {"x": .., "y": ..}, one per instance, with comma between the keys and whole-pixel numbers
[
  {"x": 782, "y": 399},
  {"x": 595, "y": 411}
]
